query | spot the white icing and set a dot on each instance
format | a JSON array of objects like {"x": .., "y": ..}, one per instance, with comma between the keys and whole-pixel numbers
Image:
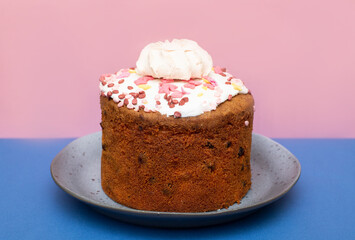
[
  {"x": 196, "y": 105},
  {"x": 178, "y": 59}
]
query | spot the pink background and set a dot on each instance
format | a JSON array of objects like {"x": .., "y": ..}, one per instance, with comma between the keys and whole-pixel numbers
[{"x": 297, "y": 57}]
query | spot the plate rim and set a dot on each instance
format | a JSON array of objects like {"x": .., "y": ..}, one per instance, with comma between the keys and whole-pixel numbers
[{"x": 215, "y": 213}]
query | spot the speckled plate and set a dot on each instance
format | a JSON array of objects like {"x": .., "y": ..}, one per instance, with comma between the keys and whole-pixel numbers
[{"x": 76, "y": 169}]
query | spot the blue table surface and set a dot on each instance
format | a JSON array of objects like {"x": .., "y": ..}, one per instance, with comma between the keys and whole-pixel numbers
[{"x": 320, "y": 206}]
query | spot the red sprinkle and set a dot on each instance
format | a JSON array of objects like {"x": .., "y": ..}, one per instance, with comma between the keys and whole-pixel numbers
[
  {"x": 111, "y": 85},
  {"x": 130, "y": 87},
  {"x": 230, "y": 78},
  {"x": 158, "y": 102},
  {"x": 182, "y": 102},
  {"x": 103, "y": 94},
  {"x": 224, "y": 69},
  {"x": 135, "y": 95},
  {"x": 103, "y": 83},
  {"x": 230, "y": 97},
  {"x": 141, "y": 107},
  {"x": 166, "y": 96},
  {"x": 175, "y": 101},
  {"x": 134, "y": 101},
  {"x": 177, "y": 114},
  {"x": 222, "y": 74},
  {"x": 171, "y": 105},
  {"x": 109, "y": 94},
  {"x": 141, "y": 95},
  {"x": 126, "y": 101},
  {"x": 115, "y": 91},
  {"x": 186, "y": 99},
  {"x": 121, "y": 81},
  {"x": 228, "y": 83},
  {"x": 121, "y": 96}
]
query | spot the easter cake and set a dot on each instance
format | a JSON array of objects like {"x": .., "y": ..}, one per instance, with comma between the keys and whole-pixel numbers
[{"x": 176, "y": 132}]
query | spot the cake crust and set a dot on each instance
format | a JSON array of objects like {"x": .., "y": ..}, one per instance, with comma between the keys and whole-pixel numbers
[{"x": 191, "y": 164}]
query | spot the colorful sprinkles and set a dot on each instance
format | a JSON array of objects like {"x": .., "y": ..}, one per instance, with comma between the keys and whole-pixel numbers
[{"x": 169, "y": 96}]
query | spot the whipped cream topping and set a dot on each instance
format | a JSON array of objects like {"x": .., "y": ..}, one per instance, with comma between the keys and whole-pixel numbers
[
  {"x": 176, "y": 98},
  {"x": 179, "y": 59}
]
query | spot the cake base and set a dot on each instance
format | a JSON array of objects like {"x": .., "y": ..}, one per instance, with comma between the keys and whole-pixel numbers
[{"x": 194, "y": 164}]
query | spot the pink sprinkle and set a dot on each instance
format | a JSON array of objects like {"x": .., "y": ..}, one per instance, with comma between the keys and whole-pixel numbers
[
  {"x": 120, "y": 104},
  {"x": 208, "y": 78},
  {"x": 123, "y": 73},
  {"x": 121, "y": 96},
  {"x": 157, "y": 97},
  {"x": 189, "y": 85},
  {"x": 143, "y": 80},
  {"x": 172, "y": 87},
  {"x": 246, "y": 123},
  {"x": 217, "y": 94},
  {"x": 128, "y": 96},
  {"x": 164, "y": 89},
  {"x": 146, "y": 110},
  {"x": 130, "y": 87},
  {"x": 167, "y": 87},
  {"x": 218, "y": 70},
  {"x": 208, "y": 86},
  {"x": 115, "y": 91},
  {"x": 109, "y": 94},
  {"x": 111, "y": 85},
  {"x": 167, "y": 80},
  {"x": 136, "y": 108},
  {"x": 121, "y": 81},
  {"x": 213, "y": 82},
  {"x": 195, "y": 82},
  {"x": 158, "y": 102},
  {"x": 176, "y": 94},
  {"x": 230, "y": 97}
]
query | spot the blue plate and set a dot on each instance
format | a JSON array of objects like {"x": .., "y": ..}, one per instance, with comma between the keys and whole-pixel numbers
[{"x": 76, "y": 169}]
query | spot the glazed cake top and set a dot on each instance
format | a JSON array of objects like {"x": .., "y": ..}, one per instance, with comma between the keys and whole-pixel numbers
[{"x": 174, "y": 78}]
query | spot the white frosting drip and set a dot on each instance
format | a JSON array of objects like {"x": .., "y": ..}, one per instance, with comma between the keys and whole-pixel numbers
[
  {"x": 179, "y": 59},
  {"x": 201, "y": 99}
]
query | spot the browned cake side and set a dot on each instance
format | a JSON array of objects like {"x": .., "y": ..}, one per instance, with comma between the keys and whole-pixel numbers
[{"x": 193, "y": 164}]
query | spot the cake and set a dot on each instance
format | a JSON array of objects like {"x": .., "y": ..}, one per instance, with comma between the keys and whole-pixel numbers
[{"x": 176, "y": 132}]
